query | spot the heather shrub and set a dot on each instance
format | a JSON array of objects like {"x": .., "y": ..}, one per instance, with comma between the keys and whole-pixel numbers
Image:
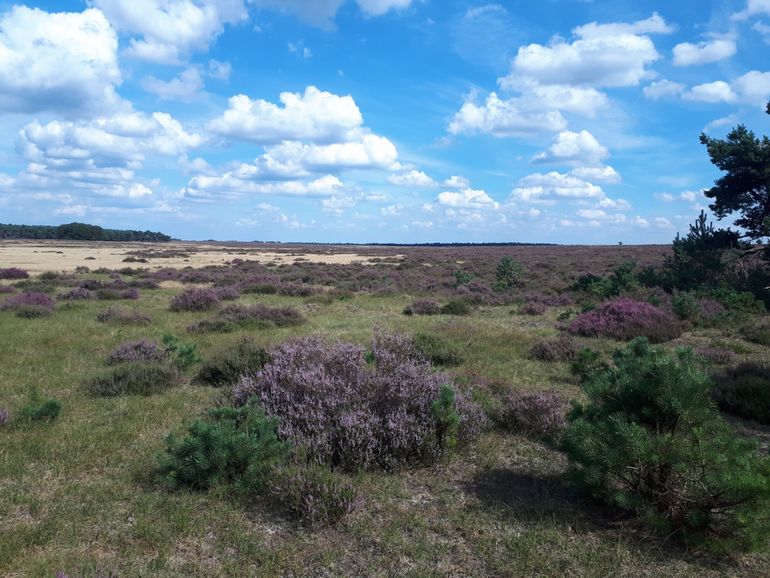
[
  {"x": 539, "y": 414},
  {"x": 650, "y": 440},
  {"x": 533, "y": 308},
  {"x": 118, "y": 316},
  {"x": 227, "y": 366},
  {"x": 137, "y": 378},
  {"x": 140, "y": 350},
  {"x": 13, "y": 273},
  {"x": 5, "y": 416},
  {"x": 37, "y": 410},
  {"x": 625, "y": 319},
  {"x": 229, "y": 293},
  {"x": 422, "y": 307},
  {"x": 562, "y": 348},
  {"x": 28, "y": 299},
  {"x": 237, "y": 447},
  {"x": 296, "y": 290},
  {"x": 32, "y": 311},
  {"x": 456, "y": 307},
  {"x": 715, "y": 355},
  {"x": 234, "y": 316},
  {"x": 7, "y": 289},
  {"x": 315, "y": 494},
  {"x": 353, "y": 415},
  {"x": 744, "y": 390},
  {"x": 78, "y": 293},
  {"x": 436, "y": 350},
  {"x": 195, "y": 300},
  {"x": 757, "y": 331}
]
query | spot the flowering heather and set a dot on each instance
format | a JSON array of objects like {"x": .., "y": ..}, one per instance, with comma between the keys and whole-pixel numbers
[
  {"x": 625, "y": 319},
  {"x": 13, "y": 273},
  {"x": 33, "y": 299},
  {"x": 229, "y": 293},
  {"x": 562, "y": 348},
  {"x": 716, "y": 355},
  {"x": 123, "y": 316},
  {"x": 537, "y": 414},
  {"x": 138, "y": 350},
  {"x": 560, "y": 300},
  {"x": 5, "y": 416},
  {"x": 132, "y": 293},
  {"x": 354, "y": 415},
  {"x": 195, "y": 300},
  {"x": 533, "y": 308},
  {"x": 710, "y": 310},
  {"x": 233, "y": 316},
  {"x": 7, "y": 289},
  {"x": 78, "y": 293},
  {"x": 423, "y": 307}
]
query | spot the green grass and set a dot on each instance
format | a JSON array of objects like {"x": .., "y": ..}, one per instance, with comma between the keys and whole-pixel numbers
[{"x": 77, "y": 494}]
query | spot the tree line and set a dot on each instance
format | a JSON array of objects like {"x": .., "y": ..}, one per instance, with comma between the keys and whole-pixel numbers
[{"x": 78, "y": 232}]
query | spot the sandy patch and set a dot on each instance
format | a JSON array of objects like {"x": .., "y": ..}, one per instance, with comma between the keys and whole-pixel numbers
[{"x": 39, "y": 256}]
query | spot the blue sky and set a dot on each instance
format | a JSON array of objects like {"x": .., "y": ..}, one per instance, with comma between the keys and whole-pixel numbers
[{"x": 561, "y": 121}]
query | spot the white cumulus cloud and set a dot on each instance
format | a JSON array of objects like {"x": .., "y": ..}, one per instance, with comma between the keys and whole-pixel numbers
[
  {"x": 413, "y": 178},
  {"x": 503, "y": 118},
  {"x": 687, "y": 54},
  {"x": 569, "y": 147},
  {"x": 467, "y": 199}
]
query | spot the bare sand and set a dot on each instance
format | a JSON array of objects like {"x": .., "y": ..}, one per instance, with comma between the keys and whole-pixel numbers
[{"x": 39, "y": 256}]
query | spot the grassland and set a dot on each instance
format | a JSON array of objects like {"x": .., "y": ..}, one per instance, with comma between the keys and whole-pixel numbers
[{"x": 77, "y": 494}]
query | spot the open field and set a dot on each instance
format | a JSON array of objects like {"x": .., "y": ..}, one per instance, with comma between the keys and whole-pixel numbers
[{"x": 78, "y": 495}]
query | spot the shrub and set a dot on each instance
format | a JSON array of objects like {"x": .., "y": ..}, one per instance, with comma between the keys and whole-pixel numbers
[
  {"x": 456, "y": 307},
  {"x": 355, "y": 415},
  {"x": 184, "y": 354},
  {"x": 533, "y": 308},
  {"x": 232, "y": 446},
  {"x": 13, "y": 273},
  {"x": 78, "y": 293},
  {"x": 134, "y": 379},
  {"x": 562, "y": 348},
  {"x": 230, "y": 293},
  {"x": 32, "y": 311},
  {"x": 508, "y": 274},
  {"x": 39, "y": 410},
  {"x": 195, "y": 300},
  {"x": 7, "y": 289},
  {"x": 757, "y": 332},
  {"x": 436, "y": 350},
  {"x": 5, "y": 416},
  {"x": 123, "y": 316},
  {"x": 137, "y": 351},
  {"x": 588, "y": 363},
  {"x": 28, "y": 299},
  {"x": 534, "y": 413},
  {"x": 315, "y": 494},
  {"x": 227, "y": 366},
  {"x": 422, "y": 307},
  {"x": 259, "y": 316},
  {"x": 650, "y": 440},
  {"x": 625, "y": 319},
  {"x": 715, "y": 355},
  {"x": 744, "y": 390}
]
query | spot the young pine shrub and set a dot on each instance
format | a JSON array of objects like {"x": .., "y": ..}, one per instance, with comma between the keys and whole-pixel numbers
[
  {"x": 227, "y": 366},
  {"x": 650, "y": 440},
  {"x": 236, "y": 447},
  {"x": 315, "y": 494},
  {"x": 135, "y": 378},
  {"x": 744, "y": 390},
  {"x": 184, "y": 355},
  {"x": 624, "y": 319},
  {"x": 38, "y": 410},
  {"x": 195, "y": 300},
  {"x": 508, "y": 274}
]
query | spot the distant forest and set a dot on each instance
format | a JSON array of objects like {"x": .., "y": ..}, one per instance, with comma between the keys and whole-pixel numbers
[{"x": 78, "y": 232}]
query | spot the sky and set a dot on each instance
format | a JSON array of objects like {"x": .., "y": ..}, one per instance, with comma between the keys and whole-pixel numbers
[{"x": 563, "y": 121}]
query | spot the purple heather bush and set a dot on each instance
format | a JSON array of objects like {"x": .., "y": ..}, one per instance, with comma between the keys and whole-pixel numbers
[
  {"x": 235, "y": 315},
  {"x": 28, "y": 299},
  {"x": 624, "y": 319},
  {"x": 13, "y": 273},
  {"x": 534, "y": 413},
  {"x": 7, "y": 289},
  {"x": 715, "y": 355},
  {"x": 533, "y": 308},
  {"x": 228, "y": 293},
  {"x": 5, "y": 416},
  {"x": 119, "y": 316},
  {"x": 195, "y": 300},
  {"x": 355, "y": 415},
  {"x": 137, "y": 351},
  {"x": 423, "y": 307},
  {"x": 78, "y": 293},
  {"x": 710, "y": 310}
]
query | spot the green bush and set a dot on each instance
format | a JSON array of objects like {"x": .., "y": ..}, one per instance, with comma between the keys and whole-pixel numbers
[
  {"x": 37, "y": 410},
  {"x": 184, "y": 354},
  {"x": 232, "y": 446},
  {"x": 446, "y": 417},
  {"x": 508, "y": 274},
  {"x": 134, "y": 379},
  {"x": 228, "y": 365},
  {"x": 744, "y": 390},
  {"x": 437, "y": 350},
  {"x": 587, "y": 363},
  {"x": 650, "y": 440},
  {"x": 313, "y": 493},
  {"x": 456, "y": 307}
]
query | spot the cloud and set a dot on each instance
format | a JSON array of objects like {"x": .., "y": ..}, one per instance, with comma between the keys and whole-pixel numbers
[
  {"x": 467, "y": 199},
  {"x": 554, "y": 186},
  {"x": 604, "y": 174},
  {"x": 687, "y": 54},
  {"x": 337, "y": 204},
  {"x": 607, "y": 55},
  {"x": 752, "y": 88},
  {"x": 503, "y": 118},
  {"x": 763, "y": 29},
  {"x": 456, "y": 182},
  {"x": 64, "y": 62},
  {"x": 392, "y": 210},
  {"x": 380, "y": 7},
  {"x": 753, "y": 7},
  {"x": 184, "y": 87},
  {"x": 219, "y": 70},
  {"x": 371, "y": 151},
  {"x": 686, "y": 196},
  {"x": 314, "y": 115},
  {"x": 663, "y": 89},
  {"x": 413, "y": 178},
  {"x": 322, "y": 12},
  {"x": 170, "y": 30},
  {"x": 242, "y": 181},
  {"x": 569, "y": 147}
]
